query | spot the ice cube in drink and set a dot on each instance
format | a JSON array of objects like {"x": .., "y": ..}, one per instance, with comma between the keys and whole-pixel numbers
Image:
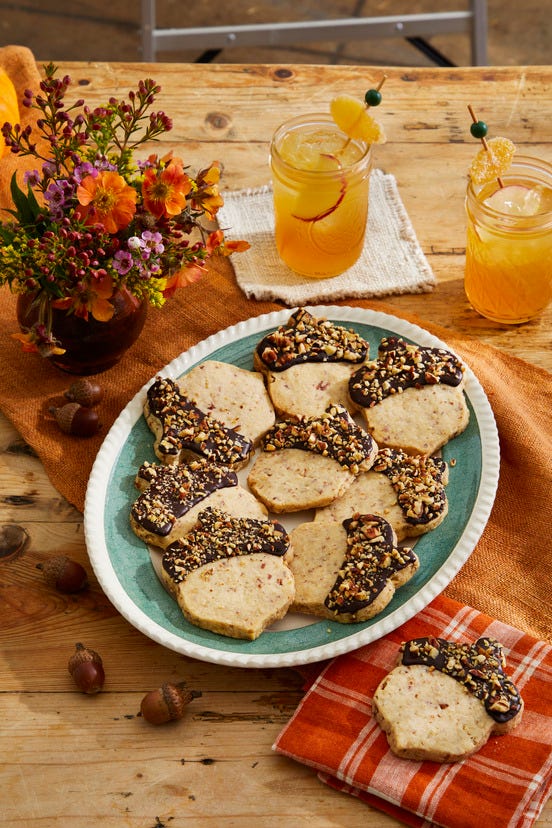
[
  {"x": 320, "y": 184},
  {"x": 508, "y": 275}
]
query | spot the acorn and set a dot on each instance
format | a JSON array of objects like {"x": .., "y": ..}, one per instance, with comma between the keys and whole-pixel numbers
[
  {"x": 84, "y": 391},
  {"x": 167, "y": 703},
  {"x": 64, "y": 574},
  {"x": 74, "y": 418},
  {"x": 86, "y": 668}
]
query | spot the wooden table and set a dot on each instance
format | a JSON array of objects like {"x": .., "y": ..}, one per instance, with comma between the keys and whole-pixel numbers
[{"x": 71, "y": 760}]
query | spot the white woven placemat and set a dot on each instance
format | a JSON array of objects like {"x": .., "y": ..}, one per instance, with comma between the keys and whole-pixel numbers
[{"x": 392, "y": 260}]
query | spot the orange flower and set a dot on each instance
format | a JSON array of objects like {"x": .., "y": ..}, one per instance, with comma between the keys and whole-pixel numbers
[
  {"x": 107, "y": 200},
  {"x": 38, "y": 341},
  {"x": 217, "y": 243},
  {"x": 164, "y": 190},
  {"x": 96, "y": 301},
  {"x": 237, "y": 246},
  {"x": 187, "y": 275},
  {"x": 207, "y": 197},
  {"x": 100, "y": 306}
]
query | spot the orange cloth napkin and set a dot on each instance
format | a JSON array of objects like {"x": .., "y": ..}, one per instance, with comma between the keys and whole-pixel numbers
[{"x": 506, "y": 783}]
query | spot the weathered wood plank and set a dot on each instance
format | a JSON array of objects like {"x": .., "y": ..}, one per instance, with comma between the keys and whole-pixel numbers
[{"x": 85, "y": 761}]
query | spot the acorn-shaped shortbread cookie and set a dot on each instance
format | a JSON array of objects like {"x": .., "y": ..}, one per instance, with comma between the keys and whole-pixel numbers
[
  {"x": 183, "y": 431},
  {"x": 445, "y": 699},
  {"x": 229, "y": 575},
  {"x": 307, "y": 463},
  {"x": 308, "y": 363},
  {"x": 411, "y": 397},
  {"x": 349, "y": 571}
]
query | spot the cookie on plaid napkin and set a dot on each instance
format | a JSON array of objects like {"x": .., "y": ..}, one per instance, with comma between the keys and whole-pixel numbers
[{"x": 334, "y": 731}]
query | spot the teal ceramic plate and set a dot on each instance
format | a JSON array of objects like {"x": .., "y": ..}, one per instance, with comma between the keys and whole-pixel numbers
[{"x": 122, "y": 562}]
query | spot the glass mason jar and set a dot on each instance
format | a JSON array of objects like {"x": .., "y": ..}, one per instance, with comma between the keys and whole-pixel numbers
[
  {"x": 508, "y": 276},
  {"x": 320, "y": 181}
]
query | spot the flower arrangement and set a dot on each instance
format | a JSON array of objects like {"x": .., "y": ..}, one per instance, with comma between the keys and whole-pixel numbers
[{"x": 94, "y": 219}]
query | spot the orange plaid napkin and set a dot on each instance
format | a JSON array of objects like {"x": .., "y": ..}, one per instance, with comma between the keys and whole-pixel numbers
[{"x": 506, "y": 783}]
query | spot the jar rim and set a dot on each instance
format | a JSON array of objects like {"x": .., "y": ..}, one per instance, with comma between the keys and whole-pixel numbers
[
  {"x": 322, "y": 118},
  {"x": 523, "y": 167}
]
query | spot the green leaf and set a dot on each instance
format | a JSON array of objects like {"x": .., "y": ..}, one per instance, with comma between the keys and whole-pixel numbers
[
  {"x": 35, "y": 206},
  {"x": 26, "y": 205}
]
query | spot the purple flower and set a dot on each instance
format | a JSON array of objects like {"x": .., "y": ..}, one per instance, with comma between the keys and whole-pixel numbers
[
  {"x": 153, "y": 241},
  {"x": 103, "y": 164},
  {"x": 32, "y": 178},
  {"x": 135, "y": 242},
  {"x": 136, "y": 245},
  {"x": 49, "y": 169},
  {"x": 55, "y": 196},
  {"x": 144, "y": 165},
  {"x": 81, "y": 171},
  {"x": 122, "y": 261}
]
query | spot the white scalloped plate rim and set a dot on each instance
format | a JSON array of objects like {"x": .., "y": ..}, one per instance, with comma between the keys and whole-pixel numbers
[{"x": 98, "y": 484}]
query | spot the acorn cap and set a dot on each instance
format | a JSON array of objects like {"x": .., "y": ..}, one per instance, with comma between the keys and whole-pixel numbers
[
  {"x": 84, "y": 391},
  {"x": 73, "y": 418}
]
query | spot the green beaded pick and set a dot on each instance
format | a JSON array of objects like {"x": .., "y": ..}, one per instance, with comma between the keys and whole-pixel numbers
[
  {"x": 373, "y": 97},
  {"x": 479, "y": 129}
]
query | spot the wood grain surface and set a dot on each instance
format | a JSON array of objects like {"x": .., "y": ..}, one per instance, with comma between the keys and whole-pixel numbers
[{"x": 71, "y": 760}]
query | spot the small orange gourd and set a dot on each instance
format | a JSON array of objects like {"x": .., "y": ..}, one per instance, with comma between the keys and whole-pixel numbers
[{"x": 9, "y": 109}]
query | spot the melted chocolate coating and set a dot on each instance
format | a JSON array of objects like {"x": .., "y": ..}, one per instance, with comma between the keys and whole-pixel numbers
[
  {"x": 307, "y": 339},
  {"x": 216, "y": 536},
  {"x": 174, "y": 490},
  {"x": 417, "y": 480},
  {"x": 186, "y": 427},
  {"x": 370, "y": 561},
  {"x": 400, "y": 366},
  {"x": 479, "y": 667},
  {"x": 334, "y": 434}
]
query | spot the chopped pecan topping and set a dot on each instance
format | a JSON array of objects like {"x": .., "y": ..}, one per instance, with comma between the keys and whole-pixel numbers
[
  {"x": 218, "y": 535},
  {"x": 333, "y": 434},
  {"x": 371, "y": 559},
  {"x": 308, "y": 339},
  {"x": 400, "y": 366},
  {"x": 173, "y": 490},
  {"x": 185, "y": 427},
  {"x": 418, "y": 482},
  {"x": 479, "y": 667}
]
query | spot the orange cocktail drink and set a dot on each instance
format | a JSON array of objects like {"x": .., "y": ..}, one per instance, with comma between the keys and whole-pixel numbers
[
  {"x": 508, "y": 276},
  {"x": 320, "y": 180}
]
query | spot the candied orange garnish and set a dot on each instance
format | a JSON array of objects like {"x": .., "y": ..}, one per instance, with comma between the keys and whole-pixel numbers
[
  {"x": 492, "y": 162},
  {"x": 351, "y": 116}
]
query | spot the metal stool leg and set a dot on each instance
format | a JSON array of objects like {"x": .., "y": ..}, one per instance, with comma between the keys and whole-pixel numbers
[
  {"x": 149, "y": 50},
  {"x": 479, "y": 33}
]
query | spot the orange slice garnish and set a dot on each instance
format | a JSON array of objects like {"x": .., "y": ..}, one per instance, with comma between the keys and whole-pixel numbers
[{"x": 352, "y": 117}]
